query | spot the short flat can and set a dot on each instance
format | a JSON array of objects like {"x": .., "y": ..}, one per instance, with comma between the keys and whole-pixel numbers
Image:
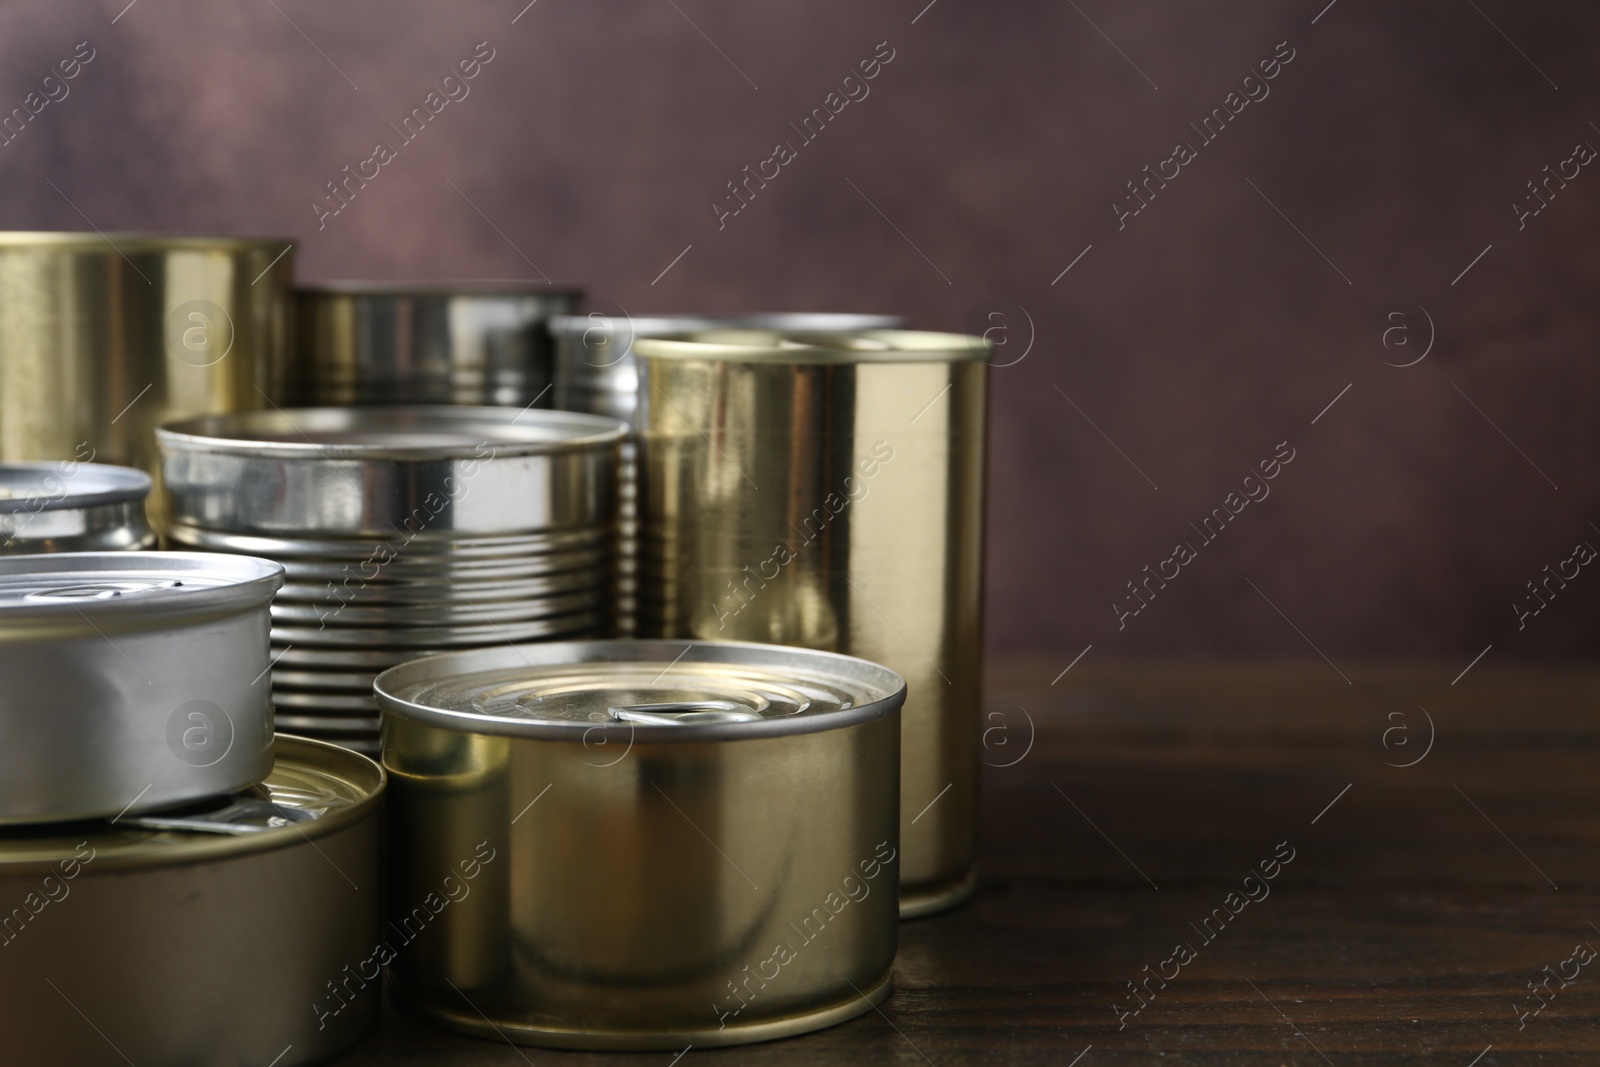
[{"x": 692, "y": 842}]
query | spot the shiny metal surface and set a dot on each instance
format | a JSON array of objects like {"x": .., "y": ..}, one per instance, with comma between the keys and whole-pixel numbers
[
  {"x": 827, "y": 491},
  {"x": 127, "y": 944},
  {"x": 696, "y": 842},
  {"x": 129, "y": 681},
  {"x": 431, "y": 343},
  {"x": 404, "y": 531},
  {"x": 597, "y": 372},
  {"x": 68, "y": 506},
  {"x": 102, "y": 338}
]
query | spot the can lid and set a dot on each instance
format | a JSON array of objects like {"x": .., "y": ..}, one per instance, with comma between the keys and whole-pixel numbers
[
  {"x": 315, "y": 789},
  {"x": 110, "y": 244},
  {"x": 399, "y": 432},
  {"x": 661, "y": 691},
  {"x": 32, "y": 487},
  {"x": 749, "y": 344},
  {"x": 93, "y": 583}
]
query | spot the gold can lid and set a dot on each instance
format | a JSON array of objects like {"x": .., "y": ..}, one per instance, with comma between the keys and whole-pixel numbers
[
  {"x": 315, "y": 789},
  {"x": 666, "y": 691},
  {"x": 745, "y": 344}
]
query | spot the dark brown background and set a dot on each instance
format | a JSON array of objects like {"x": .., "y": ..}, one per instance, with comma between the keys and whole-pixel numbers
[{"x": 1197, "y": 338}]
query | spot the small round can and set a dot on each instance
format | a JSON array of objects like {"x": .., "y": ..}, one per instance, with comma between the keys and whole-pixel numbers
[
  {"x": 426, "y": 343},
  {"x": 244, "y": 931},
  {"x": 133, "y": 680},
  {"x": 404, "y": 531},
  {"x": 680, "y": 842},
  {"x": 826, "y": 490},
  {"x": 68, "y": 506}
]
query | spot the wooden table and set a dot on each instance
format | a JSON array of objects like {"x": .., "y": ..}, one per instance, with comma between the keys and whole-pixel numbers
[{"x": 1419, "y": 904}]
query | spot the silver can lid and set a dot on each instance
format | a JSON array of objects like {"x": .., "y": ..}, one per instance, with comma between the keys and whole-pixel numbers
[
  {"x": 663, "y": 691},
  {"x": 93, "y": 583},
  {"x": 400, "y": 432},
  {"x": 32, "y": 487}
]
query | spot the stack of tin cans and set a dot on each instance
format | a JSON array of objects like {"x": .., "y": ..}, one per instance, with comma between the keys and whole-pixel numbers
[
  {"x": 145, "y": 807},
  {"x": 703, "y": 833}
]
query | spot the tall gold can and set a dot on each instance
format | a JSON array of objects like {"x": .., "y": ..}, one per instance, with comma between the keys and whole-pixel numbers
[
  {"x": 827, "y": 491},
  {"x": 105, "y": 337}
]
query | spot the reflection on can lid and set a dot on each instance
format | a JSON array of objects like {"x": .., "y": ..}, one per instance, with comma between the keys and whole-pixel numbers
[
  {"x": 83, "y": 582},
  {"x": 745, "y": 343},
  {"x": 314, "y": 789},
  {"x": 404, "y": 433},
  {"x": 654, "y": 690},
  {"x": 53, "y": 486}
]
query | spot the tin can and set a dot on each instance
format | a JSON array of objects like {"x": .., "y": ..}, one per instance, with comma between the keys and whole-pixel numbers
[
  {"x": 69, "y": 506},
  {"x": 130, "y": 681},
  {"x": 427, "y": 343},
  {"x": 597, "y": 372},
  {"x": 827, "y": 491},
  {"x": 104, "y": 337},
  {"x": 675, "y": 842},
  {"x": 240, "y": 932},
  {"x": 404, "y": 531}
]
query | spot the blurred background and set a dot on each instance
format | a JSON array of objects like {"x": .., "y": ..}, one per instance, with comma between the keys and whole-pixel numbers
[{"x": 1355, "y": 270}]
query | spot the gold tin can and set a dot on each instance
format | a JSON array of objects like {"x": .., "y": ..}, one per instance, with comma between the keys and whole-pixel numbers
[
  {"x": 827, "y": 492},
  {"x": 105, "y": 337},
  {"x": 653, "y": 843},
  {"x": 240, "y": 932}
]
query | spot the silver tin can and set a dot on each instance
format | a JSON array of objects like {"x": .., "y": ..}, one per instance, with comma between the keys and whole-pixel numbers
[
  {"x": 405, "y": 531},
  {"x": 426, "y": 343},
  {"x": 597, "y": 372},
  {"x": 221, "y": 937},
  {"x": 132, "y": 681},
  {"x": 70, "y": 506},
  {"x": 691, "y": 843}
]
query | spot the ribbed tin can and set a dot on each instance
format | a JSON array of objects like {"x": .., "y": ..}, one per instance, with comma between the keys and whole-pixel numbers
[
  {"x": 131, "y": 680},
  {"x": 426, "y": 343},
  {"x": 237, "y": 932},
  {"x": 69, "y": 506},
  {"x": 680, "y": 842},
  {"x": 105, "y": 336},
  {"x": 404, "y": 531},
  {"x": 827, "y": 491},
  {"x": 597, "y": 372}
]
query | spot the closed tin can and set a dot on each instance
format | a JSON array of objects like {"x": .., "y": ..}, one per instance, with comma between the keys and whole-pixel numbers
[
  {"x": 680, "y": 842},
  {"x": 240, "y": 932},
  {"x": 104, "y": 337},
  {"x": 427, "y": 343},
  {"x": 69, "y": 506},
  {"x": 404, "y": 531},
  {"x": 131, "y": 681},
  {"x": 827, "y": 491},
  {"x": 597, "y": 372}
]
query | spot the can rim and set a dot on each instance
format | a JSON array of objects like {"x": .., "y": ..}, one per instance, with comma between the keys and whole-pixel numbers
[
  {"x": 390, "y": 681},
  {"x": 673, "y": 323},
  {"x": 254, "y": 579},
  {"x": 441, "y": 287},
  {"x": 227, "y": 434},
  {"x": 209, "y": 848},
  {"x": 139, "y": 240},
  {"x": 787, "y": 346},
  {"x": 134, "y": 486}
]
